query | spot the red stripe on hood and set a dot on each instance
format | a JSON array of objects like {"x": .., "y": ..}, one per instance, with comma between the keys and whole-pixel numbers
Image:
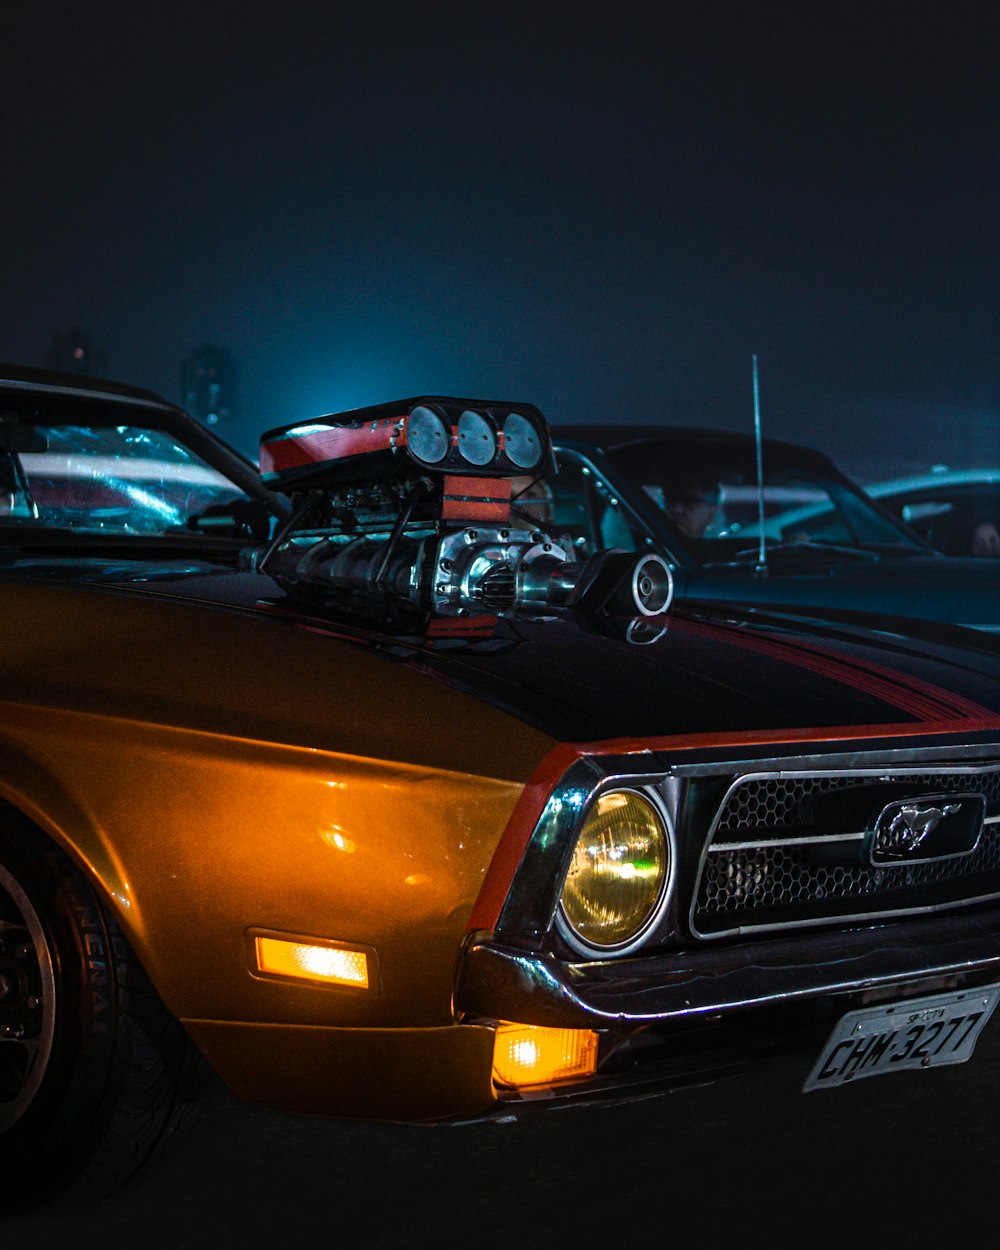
[{"x": 910, "y": 694}]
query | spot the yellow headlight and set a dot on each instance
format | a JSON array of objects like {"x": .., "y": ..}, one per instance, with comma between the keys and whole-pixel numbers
[{"x": 619, "y": 868}]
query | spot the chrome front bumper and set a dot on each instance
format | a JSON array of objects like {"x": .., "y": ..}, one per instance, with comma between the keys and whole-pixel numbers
[{"x": 502, "y": 982}]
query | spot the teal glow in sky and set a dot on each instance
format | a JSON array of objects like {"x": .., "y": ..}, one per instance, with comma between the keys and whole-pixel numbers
[{"x": 584, "y": 207}]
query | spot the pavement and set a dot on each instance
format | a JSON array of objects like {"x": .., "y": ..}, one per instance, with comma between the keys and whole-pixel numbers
[{"x": 900, "y": 1155}]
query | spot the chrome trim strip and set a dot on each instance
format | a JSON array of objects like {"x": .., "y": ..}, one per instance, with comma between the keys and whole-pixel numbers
[
  {"x": 836, "y": 918},
  {"x": 720, "y": 847},
  {"x": 911, "y": 758}
]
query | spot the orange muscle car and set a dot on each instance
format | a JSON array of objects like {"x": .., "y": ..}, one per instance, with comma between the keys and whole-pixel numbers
[{"x": 350, "y": 776}]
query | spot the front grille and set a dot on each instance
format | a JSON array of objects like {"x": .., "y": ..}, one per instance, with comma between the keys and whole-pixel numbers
[{"x": 789, "y": 849}]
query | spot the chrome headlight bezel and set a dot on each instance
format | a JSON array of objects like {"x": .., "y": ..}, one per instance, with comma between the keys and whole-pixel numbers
[{"x": 651, "y": 921}]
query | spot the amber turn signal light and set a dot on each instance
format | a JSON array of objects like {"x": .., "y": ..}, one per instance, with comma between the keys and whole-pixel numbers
[
  {"x": 307, "y": 961},
  {"x": 525, "y": 1054}
]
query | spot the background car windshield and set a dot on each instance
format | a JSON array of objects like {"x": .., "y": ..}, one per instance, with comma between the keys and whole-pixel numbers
[
  {"x": 122, "y": 478},
  {"x": 711, "y": 495}
]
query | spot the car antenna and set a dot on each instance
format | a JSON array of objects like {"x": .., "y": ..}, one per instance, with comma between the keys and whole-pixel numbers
[{"x": 762, "y": 551}]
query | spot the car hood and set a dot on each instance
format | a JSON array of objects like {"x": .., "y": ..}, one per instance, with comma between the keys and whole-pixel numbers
[
  {"x": 955, "y": 590},
  {"x": 701, "y": 673}
]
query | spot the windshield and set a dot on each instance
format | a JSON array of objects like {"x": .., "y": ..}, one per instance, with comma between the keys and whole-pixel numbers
[
  {"x": 120, "y": 479},
  {"x": 706, "y": 503},
  {"x": 710, "y": 492}
]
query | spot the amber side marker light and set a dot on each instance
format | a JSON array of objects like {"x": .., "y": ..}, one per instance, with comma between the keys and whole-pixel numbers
[
  {"x": 525, "y": 1054},
  {"x": 326, "y": 964}
]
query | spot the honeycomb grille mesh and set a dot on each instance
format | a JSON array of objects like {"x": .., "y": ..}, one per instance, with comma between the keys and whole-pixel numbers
[
  {"x": 776, "y": 802},
  {"x": 802, "y": 874}
]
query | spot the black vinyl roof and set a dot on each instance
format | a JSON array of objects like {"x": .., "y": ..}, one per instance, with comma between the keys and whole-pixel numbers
[
  {"x": 613, "y": 437},
  {"x": 27, "y": 374}
]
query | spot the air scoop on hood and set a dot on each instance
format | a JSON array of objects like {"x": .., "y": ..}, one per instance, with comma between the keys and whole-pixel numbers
[{"x": 441, "y": 503}]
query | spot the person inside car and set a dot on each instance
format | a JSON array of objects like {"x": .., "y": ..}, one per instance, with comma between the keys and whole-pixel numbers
[
  {"x": 985, "y": 538},
  {"x": 691, "y": 500}
]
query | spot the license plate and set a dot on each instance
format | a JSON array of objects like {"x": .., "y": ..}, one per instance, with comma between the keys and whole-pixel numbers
[{"x": 919, "y": 1033}]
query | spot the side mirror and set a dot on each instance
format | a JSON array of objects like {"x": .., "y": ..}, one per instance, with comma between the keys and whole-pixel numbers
[{"x": 242, "y": 518}]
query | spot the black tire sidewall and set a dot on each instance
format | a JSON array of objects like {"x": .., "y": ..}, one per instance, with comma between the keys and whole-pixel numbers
[{"x": 53, "y": 1140}]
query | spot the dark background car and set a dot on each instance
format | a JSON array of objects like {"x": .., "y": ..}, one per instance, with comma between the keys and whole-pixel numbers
[
  {"x": 946, "y": 506},
  {"x": 824, "y": 542}
]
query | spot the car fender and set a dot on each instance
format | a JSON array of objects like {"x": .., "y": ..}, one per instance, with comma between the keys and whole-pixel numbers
[
  {"x": 263, "y": 835},
  {"x": 31, "y": 784}
]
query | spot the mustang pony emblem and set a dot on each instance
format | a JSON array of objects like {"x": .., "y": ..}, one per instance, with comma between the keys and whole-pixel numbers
[{"x": 913, "y": 823}]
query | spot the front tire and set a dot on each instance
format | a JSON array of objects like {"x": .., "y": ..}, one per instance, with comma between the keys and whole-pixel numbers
[{"x": 96, "y": 1077}]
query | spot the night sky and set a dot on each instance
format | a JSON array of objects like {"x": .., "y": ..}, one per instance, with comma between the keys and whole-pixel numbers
[{"x": 582, "y": 206}]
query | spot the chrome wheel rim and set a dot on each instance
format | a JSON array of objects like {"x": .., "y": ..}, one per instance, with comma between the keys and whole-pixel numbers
[{"x": 27, "y": 1002}]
